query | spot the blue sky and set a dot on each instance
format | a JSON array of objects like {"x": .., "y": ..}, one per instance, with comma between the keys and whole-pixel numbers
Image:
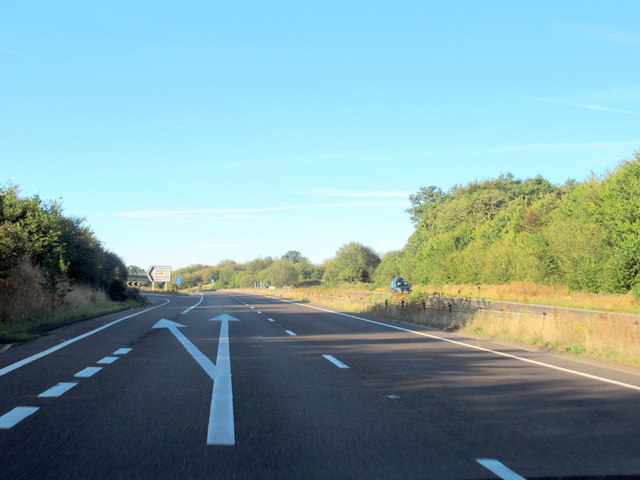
[{"x": 191, "y": 132}]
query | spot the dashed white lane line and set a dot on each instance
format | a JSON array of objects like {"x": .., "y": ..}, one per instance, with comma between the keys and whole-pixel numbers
[
  {"x": 88, "y": 372},
  {"x": 58, "y": 390},
  {"x": 499, "y": 469},
  {"x": 49, "y": 351},
  {"x": 253, "y": 308},
  {"x": 467, "y": 345},
  {"x": 191, "y": 308},
  {"x": 335, "y": 361},
  {"x": 107, "y": 360},
  {"x": 15, "y": 416},
  {"x": 271, "y": 319},
  {"x": 259, "y": 312},
  {"x": 122, "y": 351},
  {"x": 289, "y": 332}
]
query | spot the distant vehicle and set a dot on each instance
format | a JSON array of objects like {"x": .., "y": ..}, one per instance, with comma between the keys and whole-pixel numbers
[{"x": 400, "y": 285}]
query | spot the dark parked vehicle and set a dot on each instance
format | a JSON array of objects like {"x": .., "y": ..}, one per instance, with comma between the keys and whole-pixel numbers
[{"x": 398, "y": 284}]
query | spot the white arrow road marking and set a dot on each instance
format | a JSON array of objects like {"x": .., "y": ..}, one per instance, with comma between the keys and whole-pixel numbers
[
  {"x": 221, "y": 429},
  {"x": 15, "y": 416},
  {"x": 206, "y": 364},
  {"x": 221, "y": 425},
  {"x": 499, "y": 469}
]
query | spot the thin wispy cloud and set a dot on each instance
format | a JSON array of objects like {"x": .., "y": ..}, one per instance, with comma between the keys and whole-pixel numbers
[
  {"x": 603, "y": 34},
  {"x": 522, "y": 148},
  {"x": 181, "y": 214},
  {"x": 607, "y": 109},
  {"x": 15, "y": 53},
  {"x": 576, "y": 104},
  {"x": 627, "y": 93},
  {"x": 353, "y": 193}
]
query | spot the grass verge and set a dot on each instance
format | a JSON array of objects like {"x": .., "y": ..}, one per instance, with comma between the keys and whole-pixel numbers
[
  {"x": 531, "y": 293},
  {"x": 607, "y": 336},
  {"x": 34, "y": 326}
]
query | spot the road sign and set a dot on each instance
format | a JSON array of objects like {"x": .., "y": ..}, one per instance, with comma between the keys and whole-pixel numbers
[
  {"x": 133, "y": 284},
  {"x": 179, "y": 280},
  {"x": 213, "y": 280},
  {"x": 159, "y": 273}
]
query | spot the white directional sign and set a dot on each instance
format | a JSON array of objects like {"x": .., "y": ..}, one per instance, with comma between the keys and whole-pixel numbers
[
  {"x": 158, "y": 273},
  {"x": 221, "y": 429}
]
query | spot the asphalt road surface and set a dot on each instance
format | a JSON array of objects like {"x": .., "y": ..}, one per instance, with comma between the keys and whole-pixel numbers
[{"x": 235, "y": 386}]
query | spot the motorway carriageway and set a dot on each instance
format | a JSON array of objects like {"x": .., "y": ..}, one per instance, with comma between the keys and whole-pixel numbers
[{"x": 229, "y": 385}]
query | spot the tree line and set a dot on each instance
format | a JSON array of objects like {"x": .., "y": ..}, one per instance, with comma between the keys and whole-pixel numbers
[
  {"x": 51, "y": 251},
  {"x": 584, "y": 235}
]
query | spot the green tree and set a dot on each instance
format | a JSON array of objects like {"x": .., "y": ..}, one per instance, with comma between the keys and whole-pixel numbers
[
  {"x": 135, "y": 270},
  {"x": 389, "y": 267},
  {"x": 282, "y": 273},
  {"x": 353, "y": 263},
  {"x": 64, "y": 250},
  {"x": 293, "y": 256}
]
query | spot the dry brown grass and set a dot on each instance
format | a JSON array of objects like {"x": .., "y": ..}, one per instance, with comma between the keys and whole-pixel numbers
[
  {"x": 610, "y": 336},
  {"x": 83, "y": 297},
  {"x": 531, "y": 293},
  {"x": 21, "y": 294},
  {"x": 26, "y": 309}
]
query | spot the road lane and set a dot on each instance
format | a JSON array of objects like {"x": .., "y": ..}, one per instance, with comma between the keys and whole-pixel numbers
[
  {"x": 407, "y": 407},
  {"x": 65, "y": 343},
  {"x": 35, "y": 376},
  {"x": 553, "y": 420}
]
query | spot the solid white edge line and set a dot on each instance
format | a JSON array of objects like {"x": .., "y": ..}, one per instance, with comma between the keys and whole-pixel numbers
[
  {"x": 15, "y": 416},
  {"x": 57, "y": 390},
  {"x": 289, "y": 332},
  {"x": 107, "y": 360},
  {"x": 499, "y": 469},
  {"x": 191, "y": 308},
  {"x": 44, "y": 353},
  {"x": 467, "y": 345},
  {"x": 335, "y": 361},
  {"x": 88, "y": 372}
]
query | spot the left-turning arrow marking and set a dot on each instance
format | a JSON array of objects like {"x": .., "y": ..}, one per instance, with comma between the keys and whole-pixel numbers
[
  {"x": 221, "y": 429},
  {"x": 197, "y": 355}
]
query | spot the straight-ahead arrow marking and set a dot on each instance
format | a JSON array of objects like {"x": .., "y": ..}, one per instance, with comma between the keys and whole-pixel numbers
[
  {"x": 221, "y": 429},
  {"x": 221, "y": 423},
  {"x": 206, "y": 364}
]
